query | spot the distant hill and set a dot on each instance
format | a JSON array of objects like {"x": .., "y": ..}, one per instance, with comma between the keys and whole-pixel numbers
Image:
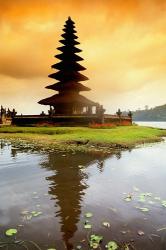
[{"x": 154, "y": 114}]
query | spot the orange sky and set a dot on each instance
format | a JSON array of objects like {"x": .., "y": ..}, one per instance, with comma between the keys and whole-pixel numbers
[{"x": 123, "y": 42}]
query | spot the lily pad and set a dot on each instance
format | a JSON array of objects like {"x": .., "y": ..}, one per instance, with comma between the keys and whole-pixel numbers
[
  {"x": 95, "y": 240},
  {"x": 140, "y": 232},
  {"x": 163, "y": 203},
  {"x": 128, "y": 198},
  {"x": 81, "y": 166},
  {"x": 36, "y": 213},
  {"x": 25, "y": 212},
  {"x": 78, "y": 247},
  {"x": 126, "y": 247},
  {"x": 29, "y": 217},
  {"x": 88, "y": 215},
  {"x": 144, "y": 209},
  {"x": 11, "y": 232},
  {"x": 106, "y": 224},
  {"x": 112, "y": 245},
  {"x": 87, "y": 226},
  {"x": 142, "y": 198}
]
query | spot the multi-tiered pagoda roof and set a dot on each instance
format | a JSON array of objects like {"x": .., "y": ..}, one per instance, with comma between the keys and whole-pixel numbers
[{"x": 68, "y": 100}]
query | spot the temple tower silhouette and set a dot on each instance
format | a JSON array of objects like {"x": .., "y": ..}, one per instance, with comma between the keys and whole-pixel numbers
[{"x": 68, "y": 101}]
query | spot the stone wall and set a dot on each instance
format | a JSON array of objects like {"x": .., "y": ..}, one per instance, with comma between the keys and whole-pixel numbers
[{"x": 84, "y": 120}]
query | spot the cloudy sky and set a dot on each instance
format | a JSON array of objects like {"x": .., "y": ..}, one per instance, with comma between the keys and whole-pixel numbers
[{"x": 123, "y": 43}]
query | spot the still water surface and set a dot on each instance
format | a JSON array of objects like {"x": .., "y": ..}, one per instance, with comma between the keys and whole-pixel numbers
[
  {"x": 66, "y": 186},
  {"x": 153, "y": 124}
]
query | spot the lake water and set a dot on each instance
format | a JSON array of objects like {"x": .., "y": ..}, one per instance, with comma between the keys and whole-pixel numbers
[
  {"x": 153, "y": 124},
  {"x": 45, "y": 196}
]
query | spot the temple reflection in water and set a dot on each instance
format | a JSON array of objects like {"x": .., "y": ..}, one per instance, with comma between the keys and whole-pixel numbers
[
  {"x": 67, "y": 187},
  {"x": 67, "y": 184}
]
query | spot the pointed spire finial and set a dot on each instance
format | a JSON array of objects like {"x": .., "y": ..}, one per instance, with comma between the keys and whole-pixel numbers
[{"x": 69, "y": 20}]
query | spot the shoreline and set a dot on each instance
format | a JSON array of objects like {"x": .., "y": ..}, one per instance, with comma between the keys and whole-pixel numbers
[{"x": 86, "y": 140}]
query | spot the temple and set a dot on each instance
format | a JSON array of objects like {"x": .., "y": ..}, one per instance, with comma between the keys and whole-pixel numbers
[
  {"x": 68, "y": 101},
  {"x": 67, "y": 107}
]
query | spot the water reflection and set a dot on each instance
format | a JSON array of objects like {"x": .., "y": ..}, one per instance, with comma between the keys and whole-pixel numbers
[
  {"x": 67, "y": 186},
  {"x": 2, "y": 144},
  {"x": 13, "y": 152}
]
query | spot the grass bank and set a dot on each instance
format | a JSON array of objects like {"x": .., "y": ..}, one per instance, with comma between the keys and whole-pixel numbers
[{"x": 85, "y": 139}]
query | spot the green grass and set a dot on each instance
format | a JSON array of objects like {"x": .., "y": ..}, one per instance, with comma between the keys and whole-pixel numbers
[{"x": 124, "y": 136}]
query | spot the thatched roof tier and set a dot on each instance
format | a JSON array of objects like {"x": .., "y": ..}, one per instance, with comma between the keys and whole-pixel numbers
[
  {"x": 69, "y": 36},
  {"x": 68, "y": 65},
  {"x": 68, "y": 86},
  {"x": 69, "y": 56},
  {"x": 68, "y": 76},
  {"x": 70, "y": 29},
  {"x": 70, "y": 48},
  {"x": 71, "y": 99},
  {"x": 69, "y": 42}
]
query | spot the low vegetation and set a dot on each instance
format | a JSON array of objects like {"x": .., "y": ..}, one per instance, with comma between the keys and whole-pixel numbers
[
  {"x": 85, "y": 139},
  {"x": 153, "y": 114}
]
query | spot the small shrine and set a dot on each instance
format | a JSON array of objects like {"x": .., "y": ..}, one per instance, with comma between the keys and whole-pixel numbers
[
  {"x": 68, "y": 101},
  {"x": 6, "y": 115}
]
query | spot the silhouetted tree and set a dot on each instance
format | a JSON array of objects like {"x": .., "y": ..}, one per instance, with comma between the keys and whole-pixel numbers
[
  {"x": 119, "y": 113},
  {"x": 130, "y": 114}
]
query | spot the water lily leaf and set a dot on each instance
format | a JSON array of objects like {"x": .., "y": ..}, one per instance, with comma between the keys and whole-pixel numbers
[
  {"x": 37, "y": 214},
  {"x": 81, "y": 166},
  {"x": 142, "y": 198},
  {"x": 163, "y": 203},
  {"x": 87, "y": 226},
  {"x": 33, "y": 212},
  {"x": 106, "y": 224},
  {"x": 128, "y": 198},
  {"x": 88, "y": 215},
  {"x": 25, "y": 212},
  {"x": 144, "y": 209},
  {"x": 11, "y": 232},
  {"x": 123, "y": 232},
  {"x": 29, "y": 217},
  {"x": 149, "y": 194},
  {"x": 112, "y": 245},
  {"x": 140, "y": 232},
  {"x": 126, "y": 247},
  {"x": 146, "y": 194},
  {"x": 161, "y": 229},
  {"x": 78, "y": 247},
  {"x": 95, "y": 240}
]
